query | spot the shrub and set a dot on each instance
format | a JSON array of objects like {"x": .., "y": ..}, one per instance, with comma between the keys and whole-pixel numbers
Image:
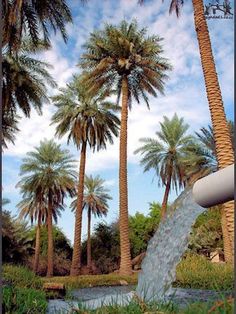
[
  {"x": 197, "y": 272},
  {"x": 21, "y": 277},
  {"x": 23, "y": 300},
  {"x": 16, "y": 240},
  {"x": 61, "y": 265},
  {"x": 61, "y": 244}
]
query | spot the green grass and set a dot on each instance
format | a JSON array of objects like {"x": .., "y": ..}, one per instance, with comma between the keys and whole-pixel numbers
[
  {"x": 138, "y": 307},
  {"x": 197, "y": 272},
  {"x": 23, "y": 294},
  {"x": 93, "y": 280},
  {"x": 194, "y": 272},
  {"x": 23, "y": 300},
  {"x": 21, "y": 277}
]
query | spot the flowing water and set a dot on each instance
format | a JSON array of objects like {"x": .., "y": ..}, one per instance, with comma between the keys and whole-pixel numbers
[
  {"x": 166, "y": 248},
  {"x": 163, "y": 254}
]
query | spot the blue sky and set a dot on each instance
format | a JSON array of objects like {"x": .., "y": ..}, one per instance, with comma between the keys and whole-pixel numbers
[{"x": 184, "y": 94}]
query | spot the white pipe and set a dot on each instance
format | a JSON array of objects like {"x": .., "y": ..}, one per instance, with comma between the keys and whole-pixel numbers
[{"x": 215, "y": 189}]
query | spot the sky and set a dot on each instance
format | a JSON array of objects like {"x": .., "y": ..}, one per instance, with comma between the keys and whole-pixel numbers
[{"x": 184, "y": 94}]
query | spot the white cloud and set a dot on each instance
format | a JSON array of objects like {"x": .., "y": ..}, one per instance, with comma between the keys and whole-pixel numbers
[
  {"x": 111, "y": 182},
  {"x": 32, "y": 131}
]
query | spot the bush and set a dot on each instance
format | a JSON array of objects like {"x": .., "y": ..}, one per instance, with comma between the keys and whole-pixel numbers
[
  {"x": 61, "y": 265},
  {"x": 23, "y": 300},
  {"x": 21, "y": 277},
  {"x": 61, "y": 244},
  {"x": 197, "y": 272},
  {"x": 206, "y": 236}
]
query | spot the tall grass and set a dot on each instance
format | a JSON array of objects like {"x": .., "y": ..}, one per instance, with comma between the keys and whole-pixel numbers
[
  {"x": 21, "y": 277},
  {"x": 197, "y": 272}
]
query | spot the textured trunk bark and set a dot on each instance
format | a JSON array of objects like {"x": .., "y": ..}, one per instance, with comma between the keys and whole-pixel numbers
[
  {"x": 166, "y": 195},
  {"x": 76, "y": 258},
  {"x": 89, "y": 259},
  {"x": 224, "y": 150},
  {"x": 125, "y": 263},
  {"x": 37, "y": 246},
  {"x": 50, "y": 238}
]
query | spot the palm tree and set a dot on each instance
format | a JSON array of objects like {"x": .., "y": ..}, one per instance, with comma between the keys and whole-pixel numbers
[
  {"x": 89, "y": 121},
  {"x": 95, "y": 201},
  {"x": 165, "y": 154},
  {"x": 34, "y": 207},
  {"x": 24, "y": 85},
  {"x": 198, "y": 162},
  {"x": 206, "y": 137},
  {"x": 48, "y": 171},
  {"x": 33, "y": 16},
  {"x": 224, "y": 149},
  {"x": 126, "y": 59}
]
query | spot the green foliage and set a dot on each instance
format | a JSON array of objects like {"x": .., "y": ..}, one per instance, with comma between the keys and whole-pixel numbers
[
  {"x": 23, "y": 300},
  {"x": 9, "y": 128},
  {"x": 142, "y": 228},
  {"x": 202, "y": 155},
  {"x": 125, "y": 52},
  {"x": 105, "y": 239},
  {"x": 37, "y": 17},
  {"x": 198, "y": 273},
  {"x": 96, "y": 196},
  {"x": 16, "y": 239},
  {"x": 21, "y": 277},
  {"x": 83, "y": 118},
  {"x": 206, "y": 236},
  {"x": 105, "y": 247},
  {"x": 61, "y": 243},
  {"x": 166, "y": 152},
  {"x": 24, "y": 86}
]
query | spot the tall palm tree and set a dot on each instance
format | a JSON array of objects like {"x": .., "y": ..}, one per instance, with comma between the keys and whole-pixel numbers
[
  {"x": 165, "y": 154},
  {"x": 34, "y": 207},
  {"x": 32, "y": 17},
  {"x": 95, "y": 202},
  {"x": 89, "y": 122},
  {"x": 224, "y": 149},
  {"x": 24, "y": 85},
  {"x": 126, "y": 59},
  {"x": 49, "y": 172}
]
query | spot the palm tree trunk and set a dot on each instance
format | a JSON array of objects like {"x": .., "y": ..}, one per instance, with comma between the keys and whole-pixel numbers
[
  {"x": 76, "y": 258},
  {"x": 224, "y": 150},
  {"x": 166, "y": 195},
  {"x": 50, "y": 238},
  {"x": 37, "y": 246},
  {"x": 125, "y": 263},
  {"x": 89, "y": 240}
]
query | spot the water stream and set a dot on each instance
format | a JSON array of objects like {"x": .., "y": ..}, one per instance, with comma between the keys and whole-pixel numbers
[
  {"x": 163, "y": 254},
  {"x": 166, "y": 248}
]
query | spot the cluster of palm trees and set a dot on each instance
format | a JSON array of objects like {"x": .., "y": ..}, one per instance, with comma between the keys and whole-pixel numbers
[
  {"x": 48, "y": 177},
  {"x": 121, "y": 60}
]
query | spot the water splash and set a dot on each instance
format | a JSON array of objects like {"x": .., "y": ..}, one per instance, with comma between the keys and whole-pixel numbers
[{"x": 166, "y": 248}]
